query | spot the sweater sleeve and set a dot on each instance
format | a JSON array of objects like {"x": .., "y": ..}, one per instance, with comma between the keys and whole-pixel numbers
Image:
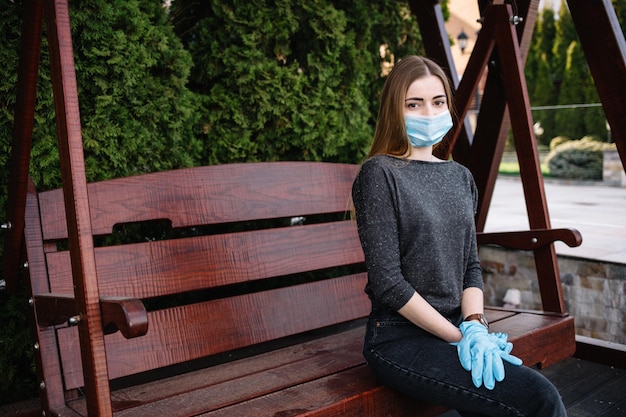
[
  {"x": 376, "y": 215},
  {"x": 473, "y": 272}
]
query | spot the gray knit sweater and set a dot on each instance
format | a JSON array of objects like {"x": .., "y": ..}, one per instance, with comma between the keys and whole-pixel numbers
[{"x": 416, "y": 224}]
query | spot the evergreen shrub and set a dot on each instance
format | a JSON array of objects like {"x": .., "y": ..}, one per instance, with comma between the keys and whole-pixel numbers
[
  {"x": 559, "y": 140},
  {"x": 200, "y": 83},
  {"x": 291, "y": 79},
  {"x": 137, "y": 115},
  {"x": 578, "y": 159}
]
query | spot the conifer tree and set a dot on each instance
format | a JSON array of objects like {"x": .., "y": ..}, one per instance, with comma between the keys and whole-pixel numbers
[
  {"x": 595, "y": 119},
  {"x": 544, "y": 95},
  {"x": 137, "y": 115},
  {"x": 290, "y": 79},
  {"x": 570, "y": 121},
  {"x": 541, "y": 45},
  {"x": 136, "y": 112},
  {"x": 539, "y": 73},
  {"x": 565, "y": 33}
]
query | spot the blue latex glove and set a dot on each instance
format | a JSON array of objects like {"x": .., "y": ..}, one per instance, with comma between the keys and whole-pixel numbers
[
  {"x": 482, "y": 354},
  {"x": 500, "y": 339},
  {"x": 472, "y": 350}
]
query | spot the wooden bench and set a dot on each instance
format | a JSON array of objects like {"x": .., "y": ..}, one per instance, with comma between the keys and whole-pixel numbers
[{"x": 242, "y": 297}]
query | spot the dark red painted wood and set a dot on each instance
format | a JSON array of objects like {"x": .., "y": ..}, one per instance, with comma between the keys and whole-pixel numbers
[
  {"x": 126, "y": 315},
  {"x": 209, "y": 195},
  {"x": 528, "y": 157},
  {"x": 493, "y": 121},
  {"x": 241, "y": 318},
  {"x": 193, "y": 331},
  {"x": 596, "y": 24},
  {"x": 77, "y": 206},
  {"x": 30, "y": 48},
  {"x": 531, "y": 239},
  {"x": 46, "y": 357},
  {"x": 160, "y": 268}
]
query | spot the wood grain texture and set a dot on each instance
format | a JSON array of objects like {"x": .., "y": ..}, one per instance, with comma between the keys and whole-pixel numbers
[
  {"x": 80, "y": 237},
  {"x": 244, "y": 317},
  {"x": 192, "y": 331},
  {"x": 211, "y": 195},
  {"x": 24, "y": 121},
  {"x": 153, "y": 269},
  {"x": 323, "y": 377}
]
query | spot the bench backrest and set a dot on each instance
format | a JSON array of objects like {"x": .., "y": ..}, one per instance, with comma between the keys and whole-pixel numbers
[{"x": 228, "y": 256}]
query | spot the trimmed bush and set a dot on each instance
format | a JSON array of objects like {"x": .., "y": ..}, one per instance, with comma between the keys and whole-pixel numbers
[
  {"x": 559, "y": 140},
  {"x": 577, "y": 159}
]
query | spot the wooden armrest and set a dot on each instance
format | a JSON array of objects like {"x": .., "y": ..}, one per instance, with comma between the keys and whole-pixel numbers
[
  {"x": 531, "y": 239},
  {"x": 127, "y": 315}
]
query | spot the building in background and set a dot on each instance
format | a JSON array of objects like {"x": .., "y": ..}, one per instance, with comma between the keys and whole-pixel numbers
[{"x": 462, "y": 28}]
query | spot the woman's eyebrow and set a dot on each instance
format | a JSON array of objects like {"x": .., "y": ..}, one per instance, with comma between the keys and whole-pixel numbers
[{"x": 421, "y": 99}]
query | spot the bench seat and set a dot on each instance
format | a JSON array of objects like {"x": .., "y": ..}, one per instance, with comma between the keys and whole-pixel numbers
[{"x": 323, "y": 376}]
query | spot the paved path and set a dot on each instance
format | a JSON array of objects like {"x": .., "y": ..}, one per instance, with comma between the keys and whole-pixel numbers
[{"x": 597, "y": 211}]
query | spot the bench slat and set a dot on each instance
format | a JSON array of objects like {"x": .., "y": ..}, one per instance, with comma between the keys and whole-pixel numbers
[
  {"x": 347, "y": 396},
  {"x": 159, "y": 268},
  {"x": 217, "y": 387},
  {"x": 209, "y": 195},
  {"x": 351, "y": 393},
  {"x": 232, "y": 323},
  {"x": 244, "y": 379},
  {"x": 528, "y": 331}
]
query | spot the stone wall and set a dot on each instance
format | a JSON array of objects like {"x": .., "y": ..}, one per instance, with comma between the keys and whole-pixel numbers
[
  {"x": 594, "y": 292},
  {"x": 612, "y": 169}
]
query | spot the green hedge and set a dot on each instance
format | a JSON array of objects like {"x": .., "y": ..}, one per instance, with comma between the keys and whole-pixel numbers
[
  {"x": 204, "y": 82},
  {"x": 578, "y": 159}
]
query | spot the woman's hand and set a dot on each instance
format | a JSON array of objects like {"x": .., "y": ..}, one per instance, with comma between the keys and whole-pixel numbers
[{"x": 482, "y": 353}]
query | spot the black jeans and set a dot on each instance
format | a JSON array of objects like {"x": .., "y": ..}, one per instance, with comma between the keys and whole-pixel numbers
[{"x": 414, "y": 362}]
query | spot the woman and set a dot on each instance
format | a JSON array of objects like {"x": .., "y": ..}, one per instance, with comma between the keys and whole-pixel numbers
[{"x": 427, "y": 336}]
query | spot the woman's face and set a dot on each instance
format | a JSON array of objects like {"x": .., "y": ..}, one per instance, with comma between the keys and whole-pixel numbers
[{"x": 426, "y": 96}]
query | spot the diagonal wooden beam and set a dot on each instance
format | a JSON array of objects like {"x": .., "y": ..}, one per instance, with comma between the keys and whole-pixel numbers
[
  {"x": 528, "y": 157},
  {"x": 493, "y": 123},
  {"x": 80, "y": 237},
  {"x": 596, "y": 24},
  {"x": 430, "y": 20},
  {"x": 30, "y": 49},
  {"x": 485, "y": 44},
  {"x": 498, "y": 47},
  {"x": 481, "y": 151}
]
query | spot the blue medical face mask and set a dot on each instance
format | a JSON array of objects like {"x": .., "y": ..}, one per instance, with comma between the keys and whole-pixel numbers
[{"x": 427, "y": 130}]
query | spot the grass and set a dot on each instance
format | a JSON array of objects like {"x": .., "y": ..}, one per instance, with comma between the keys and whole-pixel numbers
[{"x": 512, "y": 169}]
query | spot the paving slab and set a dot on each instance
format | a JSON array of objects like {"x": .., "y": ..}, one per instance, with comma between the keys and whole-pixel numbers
[{"x": 597, "y": 211}]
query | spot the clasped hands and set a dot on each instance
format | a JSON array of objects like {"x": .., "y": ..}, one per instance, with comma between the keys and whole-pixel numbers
[{"x": 483, "y": 354}]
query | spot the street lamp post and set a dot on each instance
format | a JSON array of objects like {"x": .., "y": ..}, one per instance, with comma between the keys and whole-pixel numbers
[{"x": 462, "y": 38}]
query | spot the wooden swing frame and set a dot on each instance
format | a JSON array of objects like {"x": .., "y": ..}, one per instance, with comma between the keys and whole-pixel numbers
[{"x": 501, "y": 46}]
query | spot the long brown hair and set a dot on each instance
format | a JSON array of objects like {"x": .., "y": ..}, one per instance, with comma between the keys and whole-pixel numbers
[{"x": 390, "y": 137}]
